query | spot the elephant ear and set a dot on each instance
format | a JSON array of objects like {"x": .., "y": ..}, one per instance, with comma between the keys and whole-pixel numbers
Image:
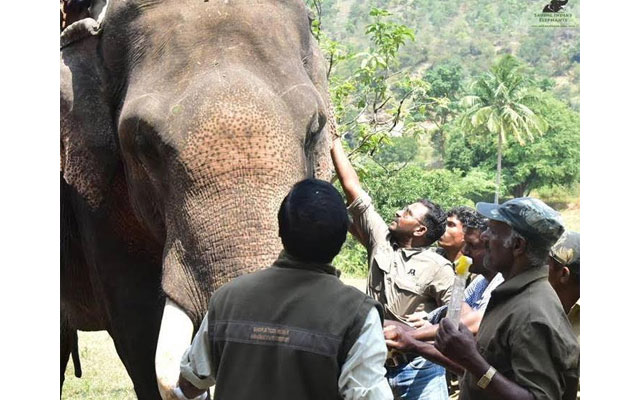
[
  {"x": 88, "y": 148},
  {"x": 323, "y": 168}
]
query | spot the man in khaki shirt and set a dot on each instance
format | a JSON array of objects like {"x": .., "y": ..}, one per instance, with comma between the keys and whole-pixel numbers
[{"x": 404, "y": 275}]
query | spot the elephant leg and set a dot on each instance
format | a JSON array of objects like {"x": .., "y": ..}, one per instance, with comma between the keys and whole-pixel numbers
[{"x": 136, "y": 313}]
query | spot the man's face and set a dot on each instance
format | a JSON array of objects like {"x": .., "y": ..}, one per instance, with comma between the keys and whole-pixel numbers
[
  {"x": 454, "y": 235},
  {"x": 474, "y": 249},
  {"x": 408, "y": 220},
  {"x": 555, "y": 273},
  {"x": 497, "y": 258}
]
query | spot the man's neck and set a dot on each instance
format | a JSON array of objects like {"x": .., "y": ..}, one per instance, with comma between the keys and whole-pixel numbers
[
  {"x": 489, "y": 275},
  {"x": 409, "y": 243},
  {"x": 453, "y": 253},
  {"x": 519, "y": 266},
  {"x": 568, "y": 297}
]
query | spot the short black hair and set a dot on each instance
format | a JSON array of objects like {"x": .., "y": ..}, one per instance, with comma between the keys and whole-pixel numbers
[
  {"x": 76, "y": 5},
  {"x": 469, "y": 218},
  {"x": 313, "y": 221},
  {"x": 435, "y": 220}
]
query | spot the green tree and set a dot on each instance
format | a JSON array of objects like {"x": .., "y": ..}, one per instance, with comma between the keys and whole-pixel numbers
[
  {"x": 368, "y": 102},
  {"x": 376, "y": 108},
  {"x": 552, "y": 159},
  {"x": 445, "y": 81},
  {"x": 401, "y": 150},
  {"x": 500, "y": 107}
]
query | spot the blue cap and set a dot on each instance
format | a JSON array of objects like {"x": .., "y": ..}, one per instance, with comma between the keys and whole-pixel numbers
[{"x": 528, "y": 216}]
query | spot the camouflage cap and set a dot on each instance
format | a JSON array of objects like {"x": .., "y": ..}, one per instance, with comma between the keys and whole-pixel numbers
[
  {"x": 528, "y": 216},
  {"x": 566, "y": 251}
]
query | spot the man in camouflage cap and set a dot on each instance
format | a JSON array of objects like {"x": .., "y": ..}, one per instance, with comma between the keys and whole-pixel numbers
[
  {"x": 524, "y": 348},
  {"x": 564, "y": 276}
]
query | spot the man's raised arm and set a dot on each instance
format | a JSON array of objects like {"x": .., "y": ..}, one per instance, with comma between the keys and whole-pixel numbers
[{"x": 347, "y": 175}]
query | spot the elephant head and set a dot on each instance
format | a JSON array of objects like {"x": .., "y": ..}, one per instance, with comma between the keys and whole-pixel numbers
[{"x": 213, "y": 109}]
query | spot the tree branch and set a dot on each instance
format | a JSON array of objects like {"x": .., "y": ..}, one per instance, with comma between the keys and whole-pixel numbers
[
  {"x": 396, "y": 118},
  {"x": 376, "y": 109},
  {"x": 364, "y": 140},
  {"x": 357, "y": 116}
]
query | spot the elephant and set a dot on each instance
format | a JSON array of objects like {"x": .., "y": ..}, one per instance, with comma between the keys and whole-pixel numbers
[{"x": 183, "y": 124}]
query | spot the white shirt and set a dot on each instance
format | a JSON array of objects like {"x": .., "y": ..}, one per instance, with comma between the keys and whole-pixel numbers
[
  {"x": 486, "y": 295},
  {"x": 362, "y": 375}
]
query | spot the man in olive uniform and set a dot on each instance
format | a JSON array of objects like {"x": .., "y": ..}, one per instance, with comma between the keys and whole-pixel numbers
[
  {"x": 524, "y": 348},
  {"x": 404, "y": 275},
  {"x": 564, "y": 276}
]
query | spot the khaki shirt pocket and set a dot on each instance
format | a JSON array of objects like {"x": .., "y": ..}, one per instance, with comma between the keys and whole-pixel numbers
[
  {"x": 380, "y": 267},
  {"x": 408, "y": 284},
  {"x": 409, "y": 296},
  {"x": 383, "y": 261}
]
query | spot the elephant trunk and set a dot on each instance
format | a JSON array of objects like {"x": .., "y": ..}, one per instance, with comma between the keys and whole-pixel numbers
[
  {"x": 206, "y": 247},
  {"x": 207, "y": 242}
]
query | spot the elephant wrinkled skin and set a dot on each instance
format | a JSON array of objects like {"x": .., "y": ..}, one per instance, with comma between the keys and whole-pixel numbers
[{"x": 183, "y": 125}]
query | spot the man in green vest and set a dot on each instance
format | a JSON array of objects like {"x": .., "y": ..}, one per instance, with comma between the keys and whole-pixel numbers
[{"x": 294, "y": 330}]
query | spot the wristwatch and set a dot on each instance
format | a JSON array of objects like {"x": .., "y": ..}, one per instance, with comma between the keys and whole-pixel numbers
[{"x": 484, "y": 381}]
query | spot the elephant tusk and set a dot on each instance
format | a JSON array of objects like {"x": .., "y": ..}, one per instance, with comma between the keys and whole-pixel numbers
[{"x": 176, "y": 330}]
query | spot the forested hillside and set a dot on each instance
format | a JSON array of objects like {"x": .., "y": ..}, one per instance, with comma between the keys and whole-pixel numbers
[
  {"x": 470, "y": 33},
  {"x": 458, "y": 101}
]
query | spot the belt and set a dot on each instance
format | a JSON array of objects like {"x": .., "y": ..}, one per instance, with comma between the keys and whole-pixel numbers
[{"x": 397, "y": 358}]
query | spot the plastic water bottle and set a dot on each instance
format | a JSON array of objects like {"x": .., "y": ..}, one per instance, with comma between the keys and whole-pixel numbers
[{"x": 457, "y": 292}]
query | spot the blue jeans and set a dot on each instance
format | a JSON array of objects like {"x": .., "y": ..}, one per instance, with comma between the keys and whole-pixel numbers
[{"x": 419, "y": 380}]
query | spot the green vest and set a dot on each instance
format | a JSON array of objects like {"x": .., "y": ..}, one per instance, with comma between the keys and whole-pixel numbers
[{"x": 284, "y": 332}]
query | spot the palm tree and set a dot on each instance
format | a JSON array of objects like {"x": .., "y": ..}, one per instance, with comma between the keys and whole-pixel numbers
[{"x": 499, "y": 106}]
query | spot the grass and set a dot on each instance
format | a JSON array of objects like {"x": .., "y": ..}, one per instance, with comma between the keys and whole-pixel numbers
[
  {"x": 104, "y": 377},
  {"x": 571, "y": 216}
]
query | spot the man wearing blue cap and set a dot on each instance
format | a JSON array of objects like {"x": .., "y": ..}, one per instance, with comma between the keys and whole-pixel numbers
[{"x": 524, "y": 348}]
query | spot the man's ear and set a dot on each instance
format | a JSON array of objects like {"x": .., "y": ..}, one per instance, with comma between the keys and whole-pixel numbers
[
  {"x": 565, "y": 275},
  {"x": 421, "y": 230},
  {"x": 519, "y": 246}
]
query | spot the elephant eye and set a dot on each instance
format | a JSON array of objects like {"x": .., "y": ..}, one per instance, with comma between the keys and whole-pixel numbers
[
  {"x": 147, "y": 142},
  {"x": 145, "y": 147},
  {"x": 141, "y": 141}
]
